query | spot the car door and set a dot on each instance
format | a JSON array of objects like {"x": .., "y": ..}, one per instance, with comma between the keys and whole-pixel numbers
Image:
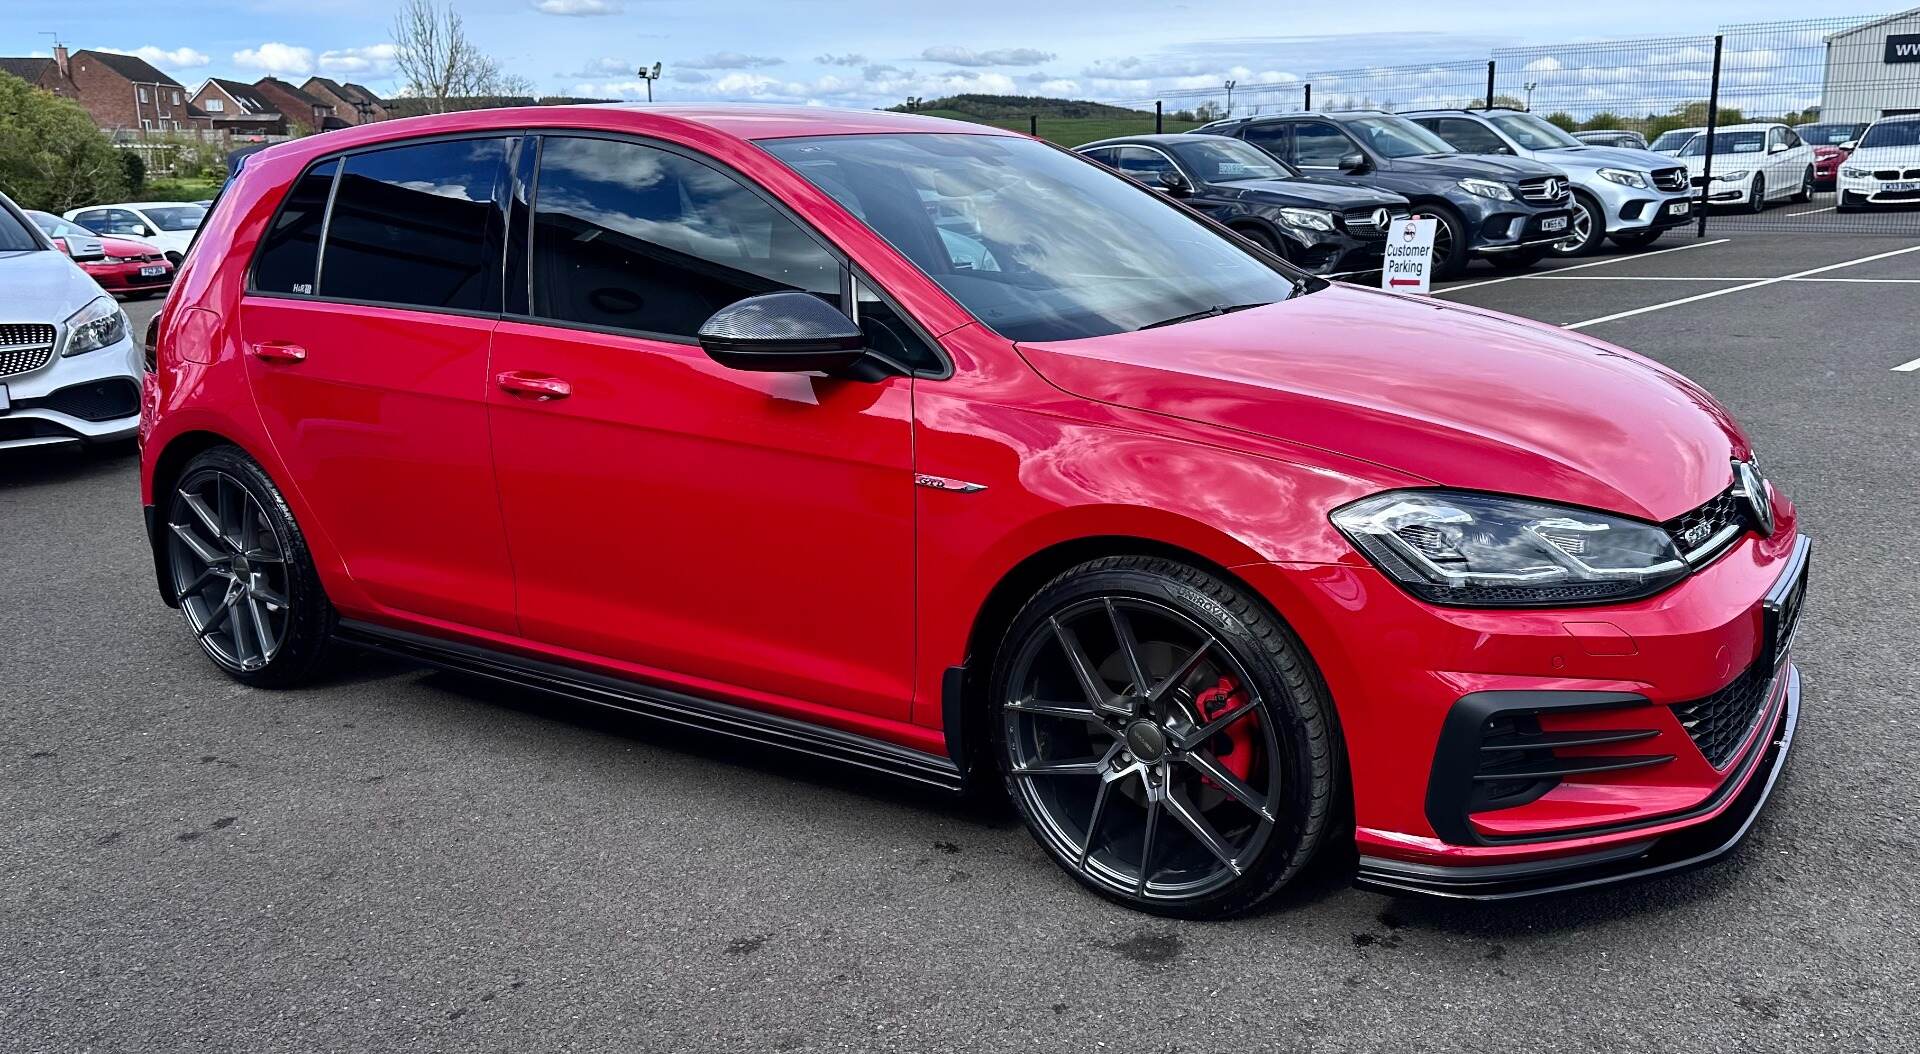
[
  {"x": 1318, "y": 147},
  {"x": 1275, "y": 137},
  {"x": 1466, "y": 136},
  {"x": 747, "y": 535},
  {"x": 366, "y": 329}
]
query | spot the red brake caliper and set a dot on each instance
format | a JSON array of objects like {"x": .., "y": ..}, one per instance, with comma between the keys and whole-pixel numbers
[{"x": 1234, "y": 747}]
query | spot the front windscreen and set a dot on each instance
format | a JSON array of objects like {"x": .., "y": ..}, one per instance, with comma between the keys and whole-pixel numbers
[
  {"x": 1891, "y": 133},
  {"x": 1398, "y": 137},
  {"x": 1674, "y": 140},
  {"x": 14, "y": 236},
  {"x": 1532, "y": 132},
  {"x": 1727, "y": 143},
  {"x": 1034, "y": 242},
  {"x": 1829, "y": 134},
  {"x": 1230, "y": 161},
  {"x": 176, "y": 217}
]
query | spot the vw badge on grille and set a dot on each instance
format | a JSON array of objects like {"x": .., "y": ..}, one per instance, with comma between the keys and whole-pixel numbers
[{"x": 1749, "y": 486}]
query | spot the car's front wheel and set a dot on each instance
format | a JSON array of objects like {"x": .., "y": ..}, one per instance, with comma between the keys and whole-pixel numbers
[
  {"x": 1164, "y": 736},
  {"x": 241, "y": 572},
  {"x": 1757, "y": 197},
  {"x": 1805, "y": 193},
  {"x": 1587, "y": 229}
]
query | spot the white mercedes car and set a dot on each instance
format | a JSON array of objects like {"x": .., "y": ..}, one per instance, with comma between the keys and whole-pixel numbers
[
  {"x": 1884, "y": 168},
  {"x": 167, "y": 224},
  {"x": 69, "y": 366},
  {"x": 1754, "y": 165}
]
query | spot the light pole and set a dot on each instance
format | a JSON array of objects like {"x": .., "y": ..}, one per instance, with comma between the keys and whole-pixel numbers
[
  {"x": 1530, "y": 85},
  {"x": 650, "y": 74},
  {"x": 1230, "y": 85}
]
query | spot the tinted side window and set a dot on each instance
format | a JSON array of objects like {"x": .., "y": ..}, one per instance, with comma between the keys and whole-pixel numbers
[
  {"x": 1468, "y": 137},
  {"x": 1318, "y": 145},
  {"x": 417, "y": 226},
  {"x": 1147, "y": 166},
  {"x": 642, "y": 239},
  {"x": 290, "y": 250},
  {"x": 1272, "y": 138},
  {"x": 1104, "y": 155}
]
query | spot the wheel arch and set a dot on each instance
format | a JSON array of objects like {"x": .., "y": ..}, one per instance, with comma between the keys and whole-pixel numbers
[{"x": 168, "y": 466}]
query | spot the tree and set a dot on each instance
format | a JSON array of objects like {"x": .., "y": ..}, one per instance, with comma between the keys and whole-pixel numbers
[
  {"x": 439, "y": 61},
  {"x": 51, "y": 155}
]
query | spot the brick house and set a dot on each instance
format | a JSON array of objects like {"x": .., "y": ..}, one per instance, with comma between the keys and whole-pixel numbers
[
  {"x": 351, "y": 102},
  {"x": 304, "y": 113},
  {"x": 118, "y": 91},
  {"x": 238, "y": 108}
]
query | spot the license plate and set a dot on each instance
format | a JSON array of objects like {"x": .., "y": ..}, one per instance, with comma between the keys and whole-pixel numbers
[
  {"x": 1899, "y": 188},
  {"x": 153, "y": 272},
  {"x": 1678, "y": 208},
  {"x": 1554, "y": 223}
]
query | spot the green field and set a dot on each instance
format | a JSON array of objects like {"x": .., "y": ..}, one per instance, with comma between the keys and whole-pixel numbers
[{"x": 1070, "y": 131}]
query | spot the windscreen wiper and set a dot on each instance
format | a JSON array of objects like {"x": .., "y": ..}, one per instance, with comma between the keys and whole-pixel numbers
[{"x": 1211, "y": 312}]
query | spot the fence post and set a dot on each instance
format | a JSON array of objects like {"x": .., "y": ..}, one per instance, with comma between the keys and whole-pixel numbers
[
  {"x": 1033, "y": 125},
  {"x": 1489, "y": 84},
  {"x": 1159, "y": 118},
  {"x": 1306, "y": 99},
  {"x": 1713, "y": 124}
]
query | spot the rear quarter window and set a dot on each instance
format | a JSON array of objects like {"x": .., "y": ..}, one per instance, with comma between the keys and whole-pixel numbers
[
  {"x": 289, "y": 257},
  {"x": 417, "y": 226}
]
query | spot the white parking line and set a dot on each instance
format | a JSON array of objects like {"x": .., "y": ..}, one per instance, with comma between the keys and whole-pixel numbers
[
  {"x": 1810, "y": 212},
  {"x": 1908, "y": 367},
  {"x": 1696, "y": 278},
  {"x": 1710, "y": 294},
  {"x": 1581, "y": 267}
]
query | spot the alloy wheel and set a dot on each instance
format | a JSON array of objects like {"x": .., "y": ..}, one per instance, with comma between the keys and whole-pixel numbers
[
  {"x": 1142, "y": 749},
  {"x": 1581, "y": 231},
  {"x": 229, "y": 571}
]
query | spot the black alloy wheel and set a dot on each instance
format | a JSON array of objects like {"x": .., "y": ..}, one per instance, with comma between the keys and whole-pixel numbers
[
  {"x": 1759, "y": 202},
  {"x": 241, "y": 573},
  {"x": 1587, "y": 228},
  {"x": 1805, "y": 193},
  {"x": 1450, "y": 253},
  {"x": 1164, "y": 737}
]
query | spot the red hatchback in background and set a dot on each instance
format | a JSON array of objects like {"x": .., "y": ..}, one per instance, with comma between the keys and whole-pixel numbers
[
  {"x": 124, "y": 267},
  {"x": 1828, "y": 150},
  {"x": 940, "y": 451}
]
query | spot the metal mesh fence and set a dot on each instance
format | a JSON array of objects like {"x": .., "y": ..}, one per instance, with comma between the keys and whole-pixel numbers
[{"x": 1786, "y": 103}]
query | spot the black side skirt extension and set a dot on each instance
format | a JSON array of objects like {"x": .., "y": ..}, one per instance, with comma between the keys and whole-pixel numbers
[{"x": 661, "y": 704}]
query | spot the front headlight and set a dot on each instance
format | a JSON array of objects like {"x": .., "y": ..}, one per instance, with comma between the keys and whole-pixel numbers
[
  {"x": 1732, "y": 175},
  {"x": 1851, "y": 172},
  {"x": 1624, "y": 177},
  {"x": 1311, "y": 219},
  {"x": 1487, "y": 188},
  {"x": 98, "y": 325},
  {"x": 1481, "y": 550}
]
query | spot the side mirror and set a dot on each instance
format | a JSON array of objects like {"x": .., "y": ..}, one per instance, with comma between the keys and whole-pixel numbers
[
  {"x": 1850, "y": 145},
  {"x": 1174, "y": 183},
  {"x": 1353, "y": 164},
  {"x": 788, "y": 332}
]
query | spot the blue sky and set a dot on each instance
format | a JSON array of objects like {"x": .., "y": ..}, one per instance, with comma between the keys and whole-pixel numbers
[{"x": 858, "y": 52}]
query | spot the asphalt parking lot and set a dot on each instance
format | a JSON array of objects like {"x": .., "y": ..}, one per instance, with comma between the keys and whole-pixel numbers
[{"x": 405, "y": 859}]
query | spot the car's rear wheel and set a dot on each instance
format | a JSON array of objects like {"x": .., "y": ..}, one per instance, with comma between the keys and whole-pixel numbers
[
  {"x": 241, "y": 572},
  {"x": 1164, "y": 736}
]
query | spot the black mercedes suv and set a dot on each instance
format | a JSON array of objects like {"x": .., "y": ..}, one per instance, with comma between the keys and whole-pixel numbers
[
  {"x": 1331, "y": 228},
  {"x": 1505, "y": 210}
]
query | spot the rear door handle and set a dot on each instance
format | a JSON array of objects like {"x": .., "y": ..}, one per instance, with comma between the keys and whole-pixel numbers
[
  {"x": 538, "y": 387},
  {"x": 274, "y": 351}
]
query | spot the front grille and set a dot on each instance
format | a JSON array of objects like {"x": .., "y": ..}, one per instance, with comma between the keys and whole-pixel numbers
[
  {"x": 1894, "y": 173},
  {"x": 24, "y": 346},
  {"x": 94, "y": 401},
  {"x": 1670, "y": 178},
  {"x": 1359, "y": 223},
  {"x": 1544, "y": 190},
  {"x": 1719, "y": 723},
  {"x": 1697, "y": 532}
]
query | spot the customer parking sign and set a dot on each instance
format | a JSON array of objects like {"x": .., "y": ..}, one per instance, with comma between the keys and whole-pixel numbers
[{"x": 1408, "y": 267}]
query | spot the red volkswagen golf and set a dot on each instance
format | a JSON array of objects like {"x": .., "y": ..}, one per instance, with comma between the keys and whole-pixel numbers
[{"x": 946, "y": 453}]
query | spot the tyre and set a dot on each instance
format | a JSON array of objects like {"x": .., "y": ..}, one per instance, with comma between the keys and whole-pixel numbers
[
  {"x": 1519, "y": 259},
  {"x": 1450, "y": 250},
  {"x": 242, "y": 574},
  {"x": 1758, "y": 202},
  {"x": 1165, "y": 737},
  {"x": 1805, "y": 193},
  {"x": 1638, "y": 239},
  {"x": 1588, "y": 228}
]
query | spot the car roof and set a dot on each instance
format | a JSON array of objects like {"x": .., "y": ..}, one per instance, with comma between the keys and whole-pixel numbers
[
  {"x": 1153, "y": 139},
  {"x": 1759, "y": 126},
  {"x": 1902, "y": 118},
  {"x": 137, "y": 205}
]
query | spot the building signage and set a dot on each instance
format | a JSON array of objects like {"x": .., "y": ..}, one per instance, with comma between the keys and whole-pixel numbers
[{"x": 1903, "y": 47}]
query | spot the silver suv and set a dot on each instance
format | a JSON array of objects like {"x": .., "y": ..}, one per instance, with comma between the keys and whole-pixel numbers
[{"x": 1631, "y": 196}]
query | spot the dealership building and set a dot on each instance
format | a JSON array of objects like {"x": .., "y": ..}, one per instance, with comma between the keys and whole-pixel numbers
[{"x": 1873, "y": 70}]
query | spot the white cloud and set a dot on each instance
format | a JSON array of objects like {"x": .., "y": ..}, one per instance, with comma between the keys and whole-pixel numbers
[
  {"x": 579, "y": 8},
  {"x": 374, "y": 58},
  {"x": 178, "y": 58},
  {"x": 730, "y": 60},
  {"x": 277, "y": 59},
  {"x": 997, "y": 57},
  {"x": 1543, "y": 65},
  {"x": 849, "y": 59}
]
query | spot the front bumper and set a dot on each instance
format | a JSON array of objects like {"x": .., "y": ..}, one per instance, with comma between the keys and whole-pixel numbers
[
  {"x": 1870, "y": 190},
  {"x": 126, "y": 278},
  {"x": 74, "y": 399},
  {"x": 1335, "y": 254},
  {"x": 1511, "y": 229},
  {"x": 1632, "y": 209}
]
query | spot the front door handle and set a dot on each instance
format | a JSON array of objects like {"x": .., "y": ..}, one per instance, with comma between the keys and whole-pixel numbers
[
  {"x": 536, "y": 386},
  {"x": 274, "y": 351}
]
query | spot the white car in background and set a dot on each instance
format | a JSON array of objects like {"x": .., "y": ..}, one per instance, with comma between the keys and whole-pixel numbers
[
  {"x": 69, "y": 367},
  {"x": 167, "y": 224},
  {"x": 1754, "y": 165},
  {"x": 1884, "y": 168},
  {"x": 1671, "y": 143}
]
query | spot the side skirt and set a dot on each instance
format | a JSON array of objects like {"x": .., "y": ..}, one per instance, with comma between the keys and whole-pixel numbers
[{"x": 661, "y": 704}]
